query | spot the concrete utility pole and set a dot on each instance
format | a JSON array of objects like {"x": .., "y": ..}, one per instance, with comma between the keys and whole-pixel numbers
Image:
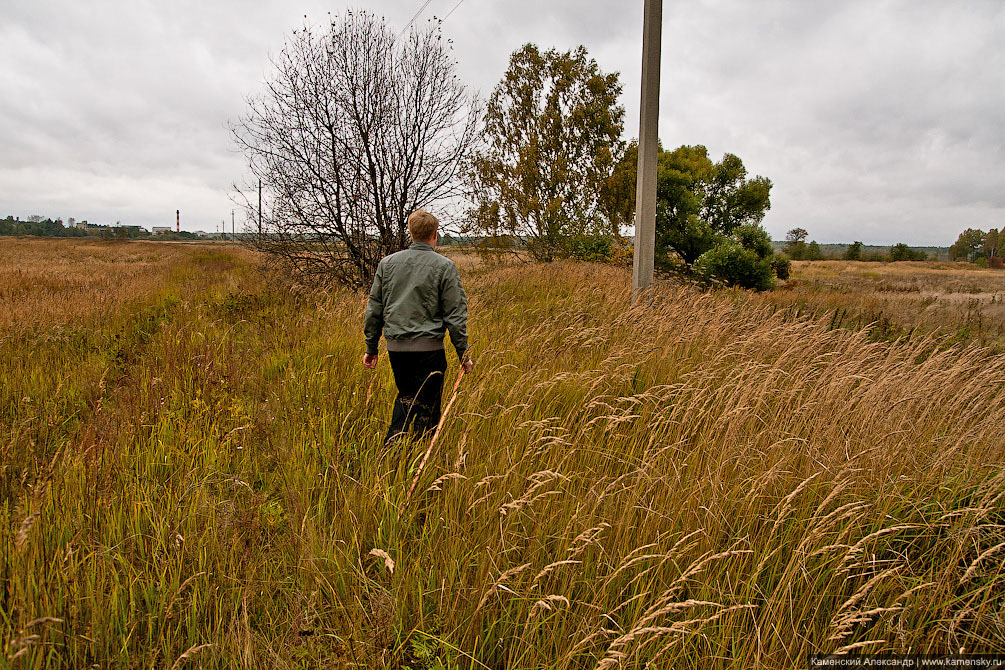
[
  {"x": 233, "y": 226},
  {"x": 649, "y": 112}
]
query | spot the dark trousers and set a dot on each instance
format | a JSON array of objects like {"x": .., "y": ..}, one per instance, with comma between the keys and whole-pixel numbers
[{"x": 419, "y": 378}]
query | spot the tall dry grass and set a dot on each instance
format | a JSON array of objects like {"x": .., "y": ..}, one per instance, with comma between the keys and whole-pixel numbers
[
  {"x": 64, "y": 282},
  {"x": 698, "y": 481},
  {"x": 894, "y": 300}
]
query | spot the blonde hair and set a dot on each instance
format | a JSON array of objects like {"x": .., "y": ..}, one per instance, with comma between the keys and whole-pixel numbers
[{"x": 422, "y": 225}]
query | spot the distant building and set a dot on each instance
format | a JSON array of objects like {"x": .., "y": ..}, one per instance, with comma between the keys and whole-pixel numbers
[
  {"x": 161, "y": 229},
  {"x": 80, "y": 225}
]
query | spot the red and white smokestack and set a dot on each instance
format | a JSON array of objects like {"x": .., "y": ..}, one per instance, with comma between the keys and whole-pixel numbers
[{"x": 177, "y": 220}]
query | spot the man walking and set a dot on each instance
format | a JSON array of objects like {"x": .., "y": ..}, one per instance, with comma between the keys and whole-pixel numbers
[{"x": 416, "y": 297}]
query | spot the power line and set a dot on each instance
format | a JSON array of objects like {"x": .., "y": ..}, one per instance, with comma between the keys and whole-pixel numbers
[
  {"x": 409, "y": 24},
  {"x": 459, "y": 2},
  {"x": 422, "y": 9}
]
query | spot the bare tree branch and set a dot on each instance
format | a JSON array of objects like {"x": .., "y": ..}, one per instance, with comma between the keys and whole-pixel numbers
[{"x": 354, "y": 130}]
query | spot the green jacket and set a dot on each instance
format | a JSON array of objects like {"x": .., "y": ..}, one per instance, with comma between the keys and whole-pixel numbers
[{"x": 415, "y": 299}]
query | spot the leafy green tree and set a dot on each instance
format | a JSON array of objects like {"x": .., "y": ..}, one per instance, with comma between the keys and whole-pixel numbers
[
  {"x": 617, "y": 192},
  {"x": 813, "y": 252},
  {"x": 552, "y": 137},
  {"x": 994, "y": 243},
  {"x": 902, "y": 252},
  {"x": 796, "y": 235},
  {"x": 854, "y": 251},
  {"x": 752, "y": 236},
  {"x": 968, "y": 245},
  {"x": 795, "y": 243},
  {"x": 700, "y": 202}
]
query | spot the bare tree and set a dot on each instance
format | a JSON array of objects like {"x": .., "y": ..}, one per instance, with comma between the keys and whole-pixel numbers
[{"x": 356, "y": 128}]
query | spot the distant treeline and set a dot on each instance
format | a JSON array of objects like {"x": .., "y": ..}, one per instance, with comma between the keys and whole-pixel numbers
[
  {"x": 796, "y": 249},
  {"x": 813, "y": 251},
  {"x": 38, "y": 227}
]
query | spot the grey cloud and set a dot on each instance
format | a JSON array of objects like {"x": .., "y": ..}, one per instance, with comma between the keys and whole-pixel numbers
[
  {"x": 871, "y": 120},
  {"x": 876, "y": 121}
]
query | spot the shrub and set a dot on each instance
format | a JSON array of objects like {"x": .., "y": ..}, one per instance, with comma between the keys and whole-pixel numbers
[
  {"x": 494, "y": 247},
  {"x": 996, "y": 262},
  {"x": 594, "y": 248},
  {"x": 733, "y": 265},
  {"x": 623, "y": 254},
  {"x": 782, "y": 265}
]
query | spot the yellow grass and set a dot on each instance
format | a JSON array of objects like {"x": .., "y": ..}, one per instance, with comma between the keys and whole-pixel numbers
[
  {"x": 61, "y": 282},
  {"x": 960, "y": 300},
  {"x": 703, "y": 481}
]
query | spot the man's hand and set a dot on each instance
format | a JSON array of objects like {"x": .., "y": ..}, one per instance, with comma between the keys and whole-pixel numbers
[
  {"x": 467, "y": 365},
  {"x": 370, "y": 360}
]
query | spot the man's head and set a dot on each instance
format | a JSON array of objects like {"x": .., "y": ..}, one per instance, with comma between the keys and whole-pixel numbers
[{"x": 422, "y": 226}]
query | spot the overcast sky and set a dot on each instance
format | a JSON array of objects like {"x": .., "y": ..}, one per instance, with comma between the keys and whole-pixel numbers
[{"x": 881, "y": 121}]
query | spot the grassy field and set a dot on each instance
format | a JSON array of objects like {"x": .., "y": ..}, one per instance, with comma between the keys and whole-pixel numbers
[
  {"x": 898, "y": 300},
  {"x": 192, "y": 474}
]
